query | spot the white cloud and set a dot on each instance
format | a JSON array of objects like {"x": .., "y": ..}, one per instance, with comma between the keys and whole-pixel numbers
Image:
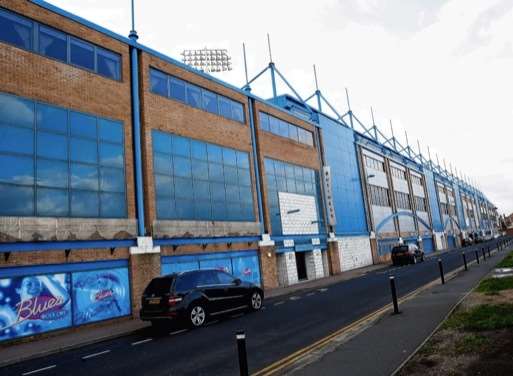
[{"x": 441, "y": 69}]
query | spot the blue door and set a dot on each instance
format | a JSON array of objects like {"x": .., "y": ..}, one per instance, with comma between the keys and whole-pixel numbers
[{"x": 427, "y": 243}]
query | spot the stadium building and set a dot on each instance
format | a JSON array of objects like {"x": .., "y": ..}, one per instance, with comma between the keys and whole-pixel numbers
[{"x": 119, "y": 164}]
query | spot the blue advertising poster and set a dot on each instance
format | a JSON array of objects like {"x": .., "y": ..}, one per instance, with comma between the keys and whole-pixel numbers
[
  {"x": 223, "y": 264},
  {"x": 177, "y": 267},
  {"x": 34, "y": 304},
  {"x": 247, "y": 269},
  {"x": 100, "y": 295}
]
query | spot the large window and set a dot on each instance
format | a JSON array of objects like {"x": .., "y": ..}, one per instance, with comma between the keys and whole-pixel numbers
[
  {"x": 282, "y": 128},
  {"x": 59, "y": 163},
  {"x": 195, "y": 96},
  {"x": 378, "y": 196},
  {"x": 417, "y": 180},
  {"x": 373, "y": 163},
  {"x": 196, "y": 180},
  {"x": 33, "y": 36},
  {"x": 286, "y": 177}
]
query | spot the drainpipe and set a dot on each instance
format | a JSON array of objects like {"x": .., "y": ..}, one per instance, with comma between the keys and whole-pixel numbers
[
  {"x": 258, "y": 184},
  {"x": 136, "y": 130}
]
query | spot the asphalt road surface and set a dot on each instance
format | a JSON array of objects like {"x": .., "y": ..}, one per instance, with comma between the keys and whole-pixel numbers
[{"x": 285, "y": 324}]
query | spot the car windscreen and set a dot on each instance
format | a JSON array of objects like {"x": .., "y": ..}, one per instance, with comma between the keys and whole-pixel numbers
[
  {"x": 159, "y": 286},
  {"x": 402, "y": 248}
]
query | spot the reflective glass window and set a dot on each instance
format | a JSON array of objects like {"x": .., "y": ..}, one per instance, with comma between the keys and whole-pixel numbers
[
  {"x": 51, "y": 118},
  {"x": 85, "y": 204},
  {"x": 16, "y": 30},
  {"x": 83, "y": 150},
  {"x": 158, "y": 83},
  {"x": 210, "y": 102},
  {"x": 112, "y": 180},
  {"x": 52, "y": 202},
  {"x": 81, "y": 54},
  {"x": 53, "y": 43},
  {"x": 111, "y": 155},
  {"x": 16, "y": 200},
  {"x": 237, "y": 112},
  {"x": 16, "y": 169},
  {"x": 177, "y": 89},
  {"x": 16, "y": 111},
  {"x": 112, "y": 205},
  {"x": 110, "y": 130},
  {"x": 51, "y": 173},
  {"x": 51, "y": 145},
  {"x": 16, "y": 140},
  {"x": 225, "y": 107},
  {"x": 84, "y": 176},
  {"x": 83, "y": 125},
  {"x": 193, "y": 96},
  {"x": 109, "y": 64}
]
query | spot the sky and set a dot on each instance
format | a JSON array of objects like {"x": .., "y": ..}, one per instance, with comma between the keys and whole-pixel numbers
[{"x": 439, "y": 69}]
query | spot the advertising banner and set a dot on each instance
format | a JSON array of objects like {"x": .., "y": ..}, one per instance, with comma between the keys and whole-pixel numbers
[
  {"x": 247, "y": 269},
  {"x": 34, "y": 304},
  {"x": 100, "y": 295}
]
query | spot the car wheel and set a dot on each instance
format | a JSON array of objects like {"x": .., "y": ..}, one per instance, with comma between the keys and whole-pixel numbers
[
  {"x": 414, "y": 261},
  {"x": 197, "y": 315},
  {"x": 422, "y": 258},
  {"x": 256, "y": 301}
]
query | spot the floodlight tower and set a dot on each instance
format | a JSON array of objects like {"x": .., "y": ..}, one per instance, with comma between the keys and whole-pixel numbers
[{"x": 208, "y": 59}]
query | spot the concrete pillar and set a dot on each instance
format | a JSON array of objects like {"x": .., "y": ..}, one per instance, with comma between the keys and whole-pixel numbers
[
  {"x": 333, "y": 257},
  {"x": 144, "y": 264},
  {"x": 314, "y": 269},
  {"x": 287, "y": 269}
]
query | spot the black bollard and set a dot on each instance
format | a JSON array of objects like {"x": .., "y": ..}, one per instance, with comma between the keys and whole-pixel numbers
[
  {"x": 394, "y": 294},
  {"x": 241, "y": 347},
  {"x": 464, "y": 260},
  {"x": 484, "y": 254},
  {"x": 441, "y": 267},
  {"x": 489, "y": 253},
  {"x": 477, "y": 256}
]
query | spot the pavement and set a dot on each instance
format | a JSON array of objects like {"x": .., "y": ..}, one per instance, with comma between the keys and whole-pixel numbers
[{"x": 385, "y": 346}]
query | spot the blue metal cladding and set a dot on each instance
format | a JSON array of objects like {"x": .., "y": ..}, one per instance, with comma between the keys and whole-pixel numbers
[
  {"x": 459, "y": 207},
  {"x": 428, "y": 245},
  {"x": 433, "y": 201},
  {"x": 340, "y": 155}
]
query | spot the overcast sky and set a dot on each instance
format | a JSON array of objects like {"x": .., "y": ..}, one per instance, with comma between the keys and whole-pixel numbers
[{"x": 440, "y": 69}]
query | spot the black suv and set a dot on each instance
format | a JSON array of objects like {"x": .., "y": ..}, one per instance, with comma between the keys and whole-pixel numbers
[{"x": 194, "y": 296}]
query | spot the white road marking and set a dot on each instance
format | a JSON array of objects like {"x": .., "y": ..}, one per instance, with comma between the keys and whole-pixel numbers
[
  {"x": 142, "y": 341},
  {"x": 279, "y": 303},
  {"x": 237, "y": 315},
  {"x": 177, "y": 332},
  {"x": 310, "y": 293},
  {"x": 39, "y": 370},
  {"x": 295, "y": 298},
  {"x": 323, "y": 290},
  {"x": 95, "y": 354}
]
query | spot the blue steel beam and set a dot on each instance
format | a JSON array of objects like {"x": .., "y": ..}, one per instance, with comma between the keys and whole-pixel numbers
[{"x": 293, "y": 90}]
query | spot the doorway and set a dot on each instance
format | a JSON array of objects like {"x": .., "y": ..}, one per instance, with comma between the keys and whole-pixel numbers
[{"x": 301, "y": 265}]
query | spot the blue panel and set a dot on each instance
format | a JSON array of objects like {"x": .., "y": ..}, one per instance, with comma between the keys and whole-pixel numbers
[
  {"x": 247, "y": 268},
  {"x": 83, "y": 150},
  {"x": 16, "y": 30},
  {"x": 110, "y": 130},
  {"x": 34, "y": 304},
  {"x": 177, "y": 267},
  {"x": 16, "y": 140},
  {"x": 158, "y": 83},
  {"x": 52, "y": 118},
  {"x": 52, "y": 202},
  {"x": 53, "y": 43},
  {"x": 16, "y": 170},
  {"x": 82, "y": 125},
  {"x": 428, "y": 245},
  {"x": 193, "y": 96},
  {"x": 84, "y": 177},
  {"x": 237, "y": 112},
  {"x": 51, "y": 145},
  {"x": 224, "y": 264},
  {"x": 16, "y": 200},
  {"x": 433, "y": 201},
  {"x": 81, "y": 54},
  {"x": 210, "y": 102},
  {"x": 225, "y": 107},
  {"x": 85, "y": 204},
  {"x": 177, "y": 89},
  {"x": 100, "y": 295},
  {"x": 16, "y": 111},
  {"x": 109, "y": 64},
  {"x": 340, "y": 154}
]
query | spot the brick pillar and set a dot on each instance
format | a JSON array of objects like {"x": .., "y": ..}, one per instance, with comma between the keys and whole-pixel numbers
[
  {"x": 144, "y": 264},
  {"x": 333, "y": 257},
  {"x": 376, "y": 259},
  {"x": 268, "y": 267}
]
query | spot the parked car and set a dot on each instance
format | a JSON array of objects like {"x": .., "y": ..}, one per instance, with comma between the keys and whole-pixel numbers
[
  {"x": 195, "y": 296},
  {"x": 406, "y": 254}
]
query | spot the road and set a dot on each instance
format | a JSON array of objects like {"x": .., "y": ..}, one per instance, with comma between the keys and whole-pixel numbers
[{"x": 285, "y": 325}]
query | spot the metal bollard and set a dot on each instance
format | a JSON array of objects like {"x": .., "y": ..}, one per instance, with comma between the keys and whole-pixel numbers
[
  {"x": 489, "y": 253},
  {"x": 464, "y": 260},
  {"x": 484, "y": 254},
  {"x": 477, "y": 256},
  {"x": 394, "y": 294},
  {"x": 441, "y": 267},
  {"x": 243, "y": 357}
]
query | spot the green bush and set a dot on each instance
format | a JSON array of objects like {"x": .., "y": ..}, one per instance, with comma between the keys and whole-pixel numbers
[{"x": 493, "y": 285}]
